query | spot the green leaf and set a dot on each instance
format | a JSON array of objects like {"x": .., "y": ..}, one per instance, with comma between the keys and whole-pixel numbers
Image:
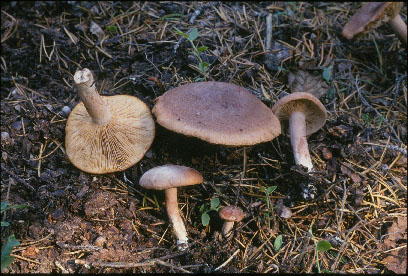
[
  {"x": 271, "y": 189},
  {"x": 6, "y": 206},
  {"x": 202, "y": 208},
  {"x": 111, "y": 28},
  {"x": 193, "y": 34},
  {"x": 180, "y": 32},
  {"x": 215, "y": 202},
  {"x": 334, "y": 253},
  {"x": 202, "y": 49},
  {"x": 366, "y": 118},
  {"x": 6, "y": 259},
  {"x": 203, "y": 66},
  {"x": 323, "y": 246},
  {"x": 278, "y": 243},
  {"x": 5, "y": 223},
  {"x": 205, "y": 219},
  {"x": 199, "y": 79},
  {"x": 280, "y": 68},
  {"x": 327, "y": 74}
]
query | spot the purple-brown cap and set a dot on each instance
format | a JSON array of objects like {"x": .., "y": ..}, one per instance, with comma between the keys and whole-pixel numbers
[
  {"x": 217, "y": 112},
  {"x": 314, "y": 110},
  {"x": 232, "y": 213},
  {"x": 371, "y": 16},
  {"x": 170, "y": 176}
]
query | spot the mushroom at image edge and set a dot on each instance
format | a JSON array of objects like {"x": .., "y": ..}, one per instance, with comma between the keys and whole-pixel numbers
[
  {"x": 373, "y": 15},
  {"x": 305, "y": 115},
  {"x": 230, "y": 214},
  {"x": 168, "y": 178},
  {"x": 106, "y": 133}
]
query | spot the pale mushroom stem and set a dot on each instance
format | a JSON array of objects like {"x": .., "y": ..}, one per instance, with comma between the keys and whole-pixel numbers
[
  {"x": 94, "y": 104},
  {"x": 297, "y": 130},
  {"x": 400, "y": 28},
  {"x": 226, "y": 228},
  {"x": 175, "y": 219}
]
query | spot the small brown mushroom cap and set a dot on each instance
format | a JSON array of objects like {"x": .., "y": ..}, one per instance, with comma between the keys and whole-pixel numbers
[
  {"x": 114, "y": 146},
  {"x": 232, "y": 213},
  {"x": 217, "y": 112},
  {"x": 314, "y": 110},
  {"x": 371, "y": 16},
  {"x": 170, "y": 176}
]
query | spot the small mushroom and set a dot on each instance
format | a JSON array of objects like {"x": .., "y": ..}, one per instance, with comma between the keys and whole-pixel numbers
[
  {"x": 304, "y": 114},
  {"x": 230, "y": 214},
  {"x": 373, "y": 15},
  {"x": 106, "y": 133},
  {"x": 217, "y": 112},
  {"x": 168, "y": 178}
]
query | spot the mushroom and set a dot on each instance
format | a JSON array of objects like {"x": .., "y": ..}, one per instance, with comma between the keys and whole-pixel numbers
[
  {"x": 230, "y": 214},
  {"x": 106, "y": 133},
  {"x": 217, "y": 112},
  {"x": 373, "y": 15},
  {"x": 168, "y": 178},
  {"x": 305, "y": 115}
]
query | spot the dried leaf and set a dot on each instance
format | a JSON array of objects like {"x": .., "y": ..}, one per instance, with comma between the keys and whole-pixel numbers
[
  {"x": 302, "y": 81},
  {"x": 397, "y": 261},
  {"x": 96, "y": 30}
]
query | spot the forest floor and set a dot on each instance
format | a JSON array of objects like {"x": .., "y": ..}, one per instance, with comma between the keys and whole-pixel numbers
[{"x": 77, "y": 222}]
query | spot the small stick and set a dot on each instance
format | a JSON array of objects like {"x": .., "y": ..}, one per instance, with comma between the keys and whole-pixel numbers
[{"x": 227, "y": 261}]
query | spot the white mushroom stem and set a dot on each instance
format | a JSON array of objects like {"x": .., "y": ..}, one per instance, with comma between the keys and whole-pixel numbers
[
  {"x": 226, "y": 228},
  {"x": 399, "y": 27},
  {"x": 94, "y": 104},
  {"x": 175, "y": 219},
  {"x": 297, "y": 130}
]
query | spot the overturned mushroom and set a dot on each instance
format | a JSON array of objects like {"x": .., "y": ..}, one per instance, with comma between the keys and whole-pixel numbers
[
  {"x": 230, "y": 214},
  {"x": 373, "y": 15},
  {"x": 168, "y": 178},
  {"x": 106, "y": 133}
]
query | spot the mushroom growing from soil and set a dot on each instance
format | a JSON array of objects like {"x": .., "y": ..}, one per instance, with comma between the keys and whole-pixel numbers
[
  {"x": 304, "y": 114},
  {"x": 230, "y": 214},
  {"x": 217, "y": 112},
  {"x": 106, "y": 133},
  {"x": 168, "y": 178},
  {"x": 373, "y": 15}
]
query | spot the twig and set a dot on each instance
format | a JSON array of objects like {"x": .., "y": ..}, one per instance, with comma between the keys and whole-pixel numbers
[
  {"x": 128, "y": 265},
  {"x": 227, "y": 261},
  {"x": 16, "y": 177}
]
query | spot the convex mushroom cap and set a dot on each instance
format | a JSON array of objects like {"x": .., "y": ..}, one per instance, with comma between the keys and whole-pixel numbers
[
  {"x": 106, "y": 133},
  {"x": 232, "y": 213},
  {"x": 168, "y": 178},
  {"x": 217, "y": 112},
  {"x": 373, "y": 15},
  {"x": 314, "y": 110}
]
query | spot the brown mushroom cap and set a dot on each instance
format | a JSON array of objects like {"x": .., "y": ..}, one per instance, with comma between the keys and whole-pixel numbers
[
  {"x": 371, "y": 16},
  {"x": 314, "y": 110},
  {"x": 169, "y": 176},
  {"x": 231, "y": 213},
  {"x": 115, "y": 146},
  {"x": 217, "y": 112}
]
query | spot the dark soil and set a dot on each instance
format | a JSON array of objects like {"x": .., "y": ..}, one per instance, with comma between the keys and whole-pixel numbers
[{"x": 77, "y": 222}]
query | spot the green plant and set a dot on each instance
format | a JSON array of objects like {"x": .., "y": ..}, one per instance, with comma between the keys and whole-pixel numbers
[
  {"x": 278, "y": 243},
  {"x": 327, "y": 74},
  {"x": 11, "y": 242},
  {"x": 202, "y": 65},
  {"x": 204, "y": 209},
  {"x": 320, "y": 246},
  {"x": 172, "y": 16},
  {"x": 267, "y": 199}
]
